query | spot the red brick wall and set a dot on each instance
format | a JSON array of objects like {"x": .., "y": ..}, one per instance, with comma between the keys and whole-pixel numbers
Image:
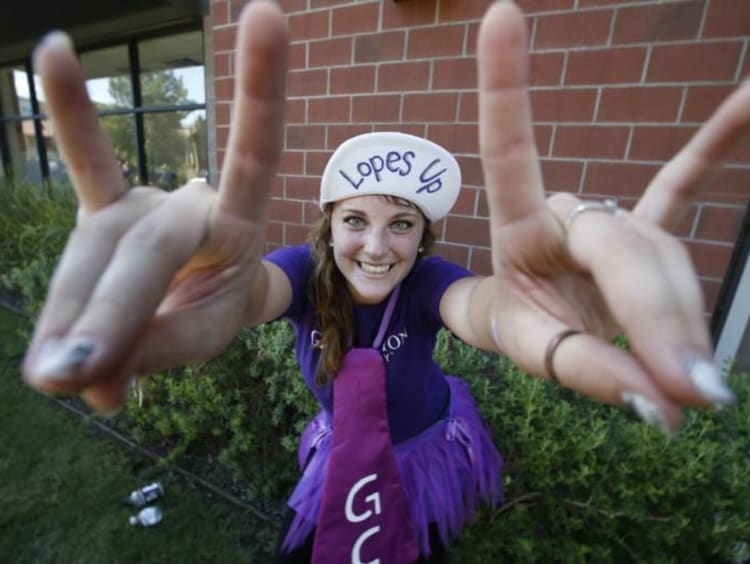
[{"x": 616, "y": 86}]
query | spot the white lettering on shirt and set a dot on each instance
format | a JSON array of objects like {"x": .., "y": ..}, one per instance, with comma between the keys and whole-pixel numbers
[{"x": 392, "y": 343}]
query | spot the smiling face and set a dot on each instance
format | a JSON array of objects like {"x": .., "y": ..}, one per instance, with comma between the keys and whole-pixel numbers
[{"x": 375, "y": 244}]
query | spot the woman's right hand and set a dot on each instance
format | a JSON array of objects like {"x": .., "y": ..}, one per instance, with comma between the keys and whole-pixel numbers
[{"x": 151, "y": 279}]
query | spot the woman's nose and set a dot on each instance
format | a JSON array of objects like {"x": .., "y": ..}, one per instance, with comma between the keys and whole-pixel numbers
[{"x": 376, "y": 243}]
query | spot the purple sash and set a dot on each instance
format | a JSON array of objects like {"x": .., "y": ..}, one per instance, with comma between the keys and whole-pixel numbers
[{"x": 364, "y": 517}]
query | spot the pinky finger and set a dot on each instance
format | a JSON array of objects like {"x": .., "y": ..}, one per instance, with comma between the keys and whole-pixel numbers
[
  {"x": 670, "y": 194},
  {"x": 588, "y": 365}
]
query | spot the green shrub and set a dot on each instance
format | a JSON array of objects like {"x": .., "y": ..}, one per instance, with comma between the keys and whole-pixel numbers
[
  {"x": 34, "y": 224},
  {"x": 588, "y": 483}
]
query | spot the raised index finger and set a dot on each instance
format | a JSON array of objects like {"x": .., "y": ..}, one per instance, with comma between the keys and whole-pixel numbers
[
  {"x": 92, "y": 163},
  {"x": 258, "y": 114},
  {"x": 506, "y": 137}
]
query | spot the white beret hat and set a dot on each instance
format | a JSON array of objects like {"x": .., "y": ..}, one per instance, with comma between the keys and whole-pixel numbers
[{"x": 395, "y": 164}]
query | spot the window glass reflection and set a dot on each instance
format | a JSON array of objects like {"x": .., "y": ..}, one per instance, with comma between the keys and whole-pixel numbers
[
  {"x": 24, "y": 158},
  {"x": 14, "y": 92},
  {"x": 121, "y": 133},
  {"x": 108, "y": 77},
  {"x": 57, "y": 169},
  {"x": 172, "y": 70},
  {"x": 175, "y": 147}
]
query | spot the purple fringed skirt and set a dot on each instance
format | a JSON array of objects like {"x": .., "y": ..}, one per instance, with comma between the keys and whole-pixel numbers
[{"x": 445, "y": 471}]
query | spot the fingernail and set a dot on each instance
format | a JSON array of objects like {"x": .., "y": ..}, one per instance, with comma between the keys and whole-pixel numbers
[
  {"x": 59, "y": 359},
  {"x": 57, "y": 38},
  {"x": 708, "y": 381},
  {"x": 648, "y": 411}
]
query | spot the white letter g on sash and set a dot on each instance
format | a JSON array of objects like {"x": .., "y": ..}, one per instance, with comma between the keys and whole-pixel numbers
[{"x": 372, "y": 498}]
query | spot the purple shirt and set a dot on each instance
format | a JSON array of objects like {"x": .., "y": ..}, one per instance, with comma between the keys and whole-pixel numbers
[{"x": 416, "y": 388}]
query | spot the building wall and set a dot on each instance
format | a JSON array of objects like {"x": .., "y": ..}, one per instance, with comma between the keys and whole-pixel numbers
[{"x": 616, "y": 88}]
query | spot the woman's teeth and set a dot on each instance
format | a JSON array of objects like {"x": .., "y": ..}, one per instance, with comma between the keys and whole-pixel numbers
[{"x": 375, "y": 268}]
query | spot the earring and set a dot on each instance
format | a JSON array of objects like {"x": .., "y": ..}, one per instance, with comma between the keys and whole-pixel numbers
[
  {"x": 330, "y": 244},
  {"x": 420, "y": 249}
]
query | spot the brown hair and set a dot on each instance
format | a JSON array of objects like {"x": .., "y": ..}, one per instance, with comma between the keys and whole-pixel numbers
[{"x": 327, "y": 289}]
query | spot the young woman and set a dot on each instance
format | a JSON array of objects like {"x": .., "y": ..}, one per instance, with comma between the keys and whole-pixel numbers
[
  {"x": 152, "y": 279},
  {"x": 362, "y": 285}
]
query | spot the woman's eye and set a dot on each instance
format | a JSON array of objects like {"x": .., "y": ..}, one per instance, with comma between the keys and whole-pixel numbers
[
  {"x": 402, "y": 225},
  {"x": 354, "y": 221}
]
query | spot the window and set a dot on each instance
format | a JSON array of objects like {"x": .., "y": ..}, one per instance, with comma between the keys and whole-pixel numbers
[
  {"x": 150, "y": 95},
  {"x": 20, "y": 124},
  {"x": 172, "y": 77}
]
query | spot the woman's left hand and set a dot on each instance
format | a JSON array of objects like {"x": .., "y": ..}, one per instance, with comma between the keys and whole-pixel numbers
[{"x": 596, "y": 269}]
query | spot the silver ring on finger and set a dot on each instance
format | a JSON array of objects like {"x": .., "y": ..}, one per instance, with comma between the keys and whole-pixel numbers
[
  {"x": 549, "y": 353},
  {"x": 607, "y": 206}
]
